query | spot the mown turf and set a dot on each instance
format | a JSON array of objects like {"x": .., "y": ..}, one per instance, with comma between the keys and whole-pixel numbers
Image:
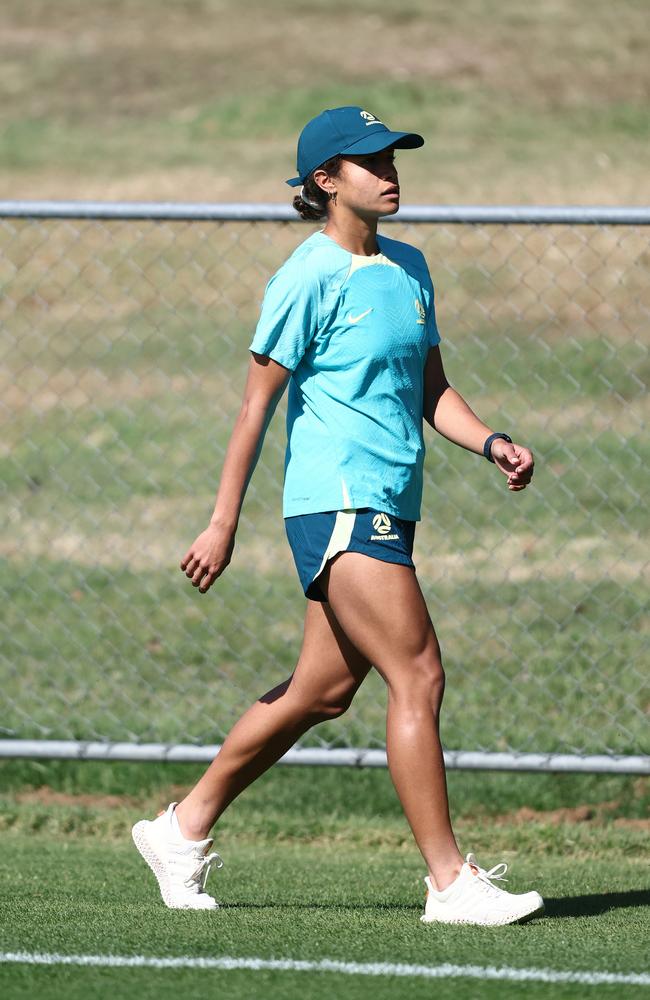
[
  {"x": 122, "y": 368},
  {"x": 93, "y": 798},
  {"x": 318, "y": 864},
  {"x": 54, "y": 983}
]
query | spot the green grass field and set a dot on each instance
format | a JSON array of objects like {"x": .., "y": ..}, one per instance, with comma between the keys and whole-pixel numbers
[
  {"x": 521, "y": 103},
  {"x": 124, "y": 352},
  {"x": 318, "y": 865},
  {"x": 122, "y": 358}
]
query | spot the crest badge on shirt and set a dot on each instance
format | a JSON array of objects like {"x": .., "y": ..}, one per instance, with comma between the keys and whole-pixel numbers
[{"x": 420, "y": 310}]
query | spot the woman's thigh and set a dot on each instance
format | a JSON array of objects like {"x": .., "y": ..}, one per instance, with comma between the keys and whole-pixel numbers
[
  {"x": 329, "y": 666},
  {"x": 381, "y": 609}
]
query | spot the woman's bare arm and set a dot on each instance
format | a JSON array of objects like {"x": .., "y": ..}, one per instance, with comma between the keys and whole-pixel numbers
[
  {"x": 211, "y": 552},
  {"x": 448, "y": 413}
]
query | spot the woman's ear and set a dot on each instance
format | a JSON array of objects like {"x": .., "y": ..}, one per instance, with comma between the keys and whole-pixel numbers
[{"x": 325, "y": 183}]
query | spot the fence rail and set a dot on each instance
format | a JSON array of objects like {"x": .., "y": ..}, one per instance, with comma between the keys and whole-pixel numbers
[
  {"x": 124, "y": 334},
  {"x": 586, "y": 215},
  {"x": 460, "y": 760}
]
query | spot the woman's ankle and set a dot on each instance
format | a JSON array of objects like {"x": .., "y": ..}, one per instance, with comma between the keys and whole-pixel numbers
[
  {"x": 442, "y": 876},
  {"x": 188, "y": 825}
]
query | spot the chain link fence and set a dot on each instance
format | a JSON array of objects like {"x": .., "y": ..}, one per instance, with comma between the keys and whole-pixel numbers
[{"x": 124, "y": 348}]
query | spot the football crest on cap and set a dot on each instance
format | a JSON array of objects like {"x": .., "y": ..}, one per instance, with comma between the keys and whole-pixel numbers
[{"x": 370, "y": 119}]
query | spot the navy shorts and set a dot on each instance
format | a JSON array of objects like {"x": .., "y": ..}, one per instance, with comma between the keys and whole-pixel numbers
[{"x": 316, "y": 538}]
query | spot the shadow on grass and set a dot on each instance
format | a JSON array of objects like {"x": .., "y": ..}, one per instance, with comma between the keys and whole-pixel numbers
[
  {"x": 568, "y": 906},
  {"x": 347, "y": 907},
  {"x": 590, "y": 906}
]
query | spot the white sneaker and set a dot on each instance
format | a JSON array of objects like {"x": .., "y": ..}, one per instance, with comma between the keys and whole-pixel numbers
[
  {"x": 181, "y": 866},
  {"x": 473, "y": 899}
]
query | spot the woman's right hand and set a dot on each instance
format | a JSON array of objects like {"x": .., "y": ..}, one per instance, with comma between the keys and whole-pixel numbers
[{"x": 208, "y": 556}]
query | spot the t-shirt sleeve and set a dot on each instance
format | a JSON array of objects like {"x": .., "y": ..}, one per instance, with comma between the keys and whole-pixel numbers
[
  {"x": 433, "y": 336},
  {"x": 289, "y": 317},
  {"x": 432, "y": 326},
  {"x": 428, "y": 297}
]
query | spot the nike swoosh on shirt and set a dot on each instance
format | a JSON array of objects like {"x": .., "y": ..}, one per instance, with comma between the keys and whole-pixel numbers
[{"x": 355, "y": 319}]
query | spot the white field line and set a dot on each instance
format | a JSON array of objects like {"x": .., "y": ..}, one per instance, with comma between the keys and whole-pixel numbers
[{"x": 227, "y": 963}]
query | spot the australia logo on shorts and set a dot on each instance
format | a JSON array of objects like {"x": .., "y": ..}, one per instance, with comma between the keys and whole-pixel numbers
[{"x": 382, "y": 525}]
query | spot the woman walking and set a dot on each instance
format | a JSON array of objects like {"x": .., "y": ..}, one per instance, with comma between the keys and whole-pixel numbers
[{"x": 348, "y": 322}]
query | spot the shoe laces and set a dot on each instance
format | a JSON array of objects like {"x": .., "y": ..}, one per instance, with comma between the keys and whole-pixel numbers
[
  {"x": 488, "y": 877},
  {"x": 199, "y": 876}
]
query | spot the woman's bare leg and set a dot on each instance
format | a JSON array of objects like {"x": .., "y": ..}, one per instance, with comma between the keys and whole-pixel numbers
[
  {"x": 382, "y": 611},
  {"x": 328, "y": 673}
]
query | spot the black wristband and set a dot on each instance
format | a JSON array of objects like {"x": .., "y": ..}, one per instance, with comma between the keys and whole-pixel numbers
[{"x": 487, "y": 447}]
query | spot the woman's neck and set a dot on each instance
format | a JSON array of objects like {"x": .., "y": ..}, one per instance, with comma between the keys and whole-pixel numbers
[{"x": 358, "y": 236}]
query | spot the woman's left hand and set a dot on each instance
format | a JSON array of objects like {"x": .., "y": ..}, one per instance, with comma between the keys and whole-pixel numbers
[{"x": 515, "y": 462}]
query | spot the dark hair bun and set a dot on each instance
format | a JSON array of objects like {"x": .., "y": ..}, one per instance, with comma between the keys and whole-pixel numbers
[
  {"x": 315, "y": 208},
  {"x": 307, "y": 211}
]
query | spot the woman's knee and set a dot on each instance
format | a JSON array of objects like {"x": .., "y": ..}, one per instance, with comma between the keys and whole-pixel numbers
[
  {"x": 430, "y": 679},
  {"x": 419, "y": 681},
  {"x": 332, "y": 702}
]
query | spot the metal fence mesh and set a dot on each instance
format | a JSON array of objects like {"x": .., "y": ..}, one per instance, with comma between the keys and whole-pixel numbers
[{"x": 123, "y": 353}]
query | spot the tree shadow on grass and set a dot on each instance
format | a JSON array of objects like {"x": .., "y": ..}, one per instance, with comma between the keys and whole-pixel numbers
[{"x": 591, "y": 906}]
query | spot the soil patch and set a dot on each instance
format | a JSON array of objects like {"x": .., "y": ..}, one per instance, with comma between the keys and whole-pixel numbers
[
  {"x": 46, "y": 796},
  {"x": 596, "y": 814}
]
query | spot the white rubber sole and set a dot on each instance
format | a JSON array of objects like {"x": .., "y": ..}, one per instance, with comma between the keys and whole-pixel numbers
[
  {"x": 147, "y": 850},
  {"x": 507, "y": 918}
]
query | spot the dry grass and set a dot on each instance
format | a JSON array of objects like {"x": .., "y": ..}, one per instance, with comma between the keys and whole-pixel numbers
[
  {"x": 554, "y": 54},
  {"x": 192, "y": 101},
  {"x": 155, "y": 533}
]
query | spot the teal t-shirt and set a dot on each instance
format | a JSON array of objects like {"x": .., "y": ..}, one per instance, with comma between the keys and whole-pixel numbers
[{"x": 355, "y": 333}]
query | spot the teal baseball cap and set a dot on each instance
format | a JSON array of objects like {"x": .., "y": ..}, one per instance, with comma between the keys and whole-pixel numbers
[{"x": 345, "y": 130}]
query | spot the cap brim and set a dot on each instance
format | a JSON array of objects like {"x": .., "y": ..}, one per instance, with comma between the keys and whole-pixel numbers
[{"x": 374, "y": 143}]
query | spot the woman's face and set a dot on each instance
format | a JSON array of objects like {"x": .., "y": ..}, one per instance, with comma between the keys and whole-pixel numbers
[{"x": 368, "y": 185}]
